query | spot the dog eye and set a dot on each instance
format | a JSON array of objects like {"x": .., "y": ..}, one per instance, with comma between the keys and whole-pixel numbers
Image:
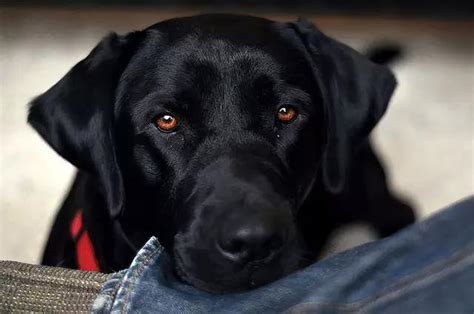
[
  {"x": 286, "y": 114},
  {"x": 166, "y": 122}
]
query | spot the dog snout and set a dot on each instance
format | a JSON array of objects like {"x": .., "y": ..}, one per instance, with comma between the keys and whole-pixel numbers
[
  {"x": 241, "y": 226},
  {"x": 258, "y": 240}
]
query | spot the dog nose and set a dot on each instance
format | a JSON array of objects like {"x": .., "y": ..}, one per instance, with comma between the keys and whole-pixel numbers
[{"x": 251, "y": 242}]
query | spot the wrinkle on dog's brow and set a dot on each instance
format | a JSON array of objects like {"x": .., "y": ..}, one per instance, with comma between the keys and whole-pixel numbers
[
  {"x": 226, "y": 56},
  {"x": 232, "y": 66}
]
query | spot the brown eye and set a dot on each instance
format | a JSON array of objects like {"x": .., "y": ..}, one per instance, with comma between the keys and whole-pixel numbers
[
  {"x": 166, "y": 122},
  {"x": 287, "y": 114}
]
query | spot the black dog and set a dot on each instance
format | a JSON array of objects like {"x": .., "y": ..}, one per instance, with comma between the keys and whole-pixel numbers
[{"x": 238, "y": 141}]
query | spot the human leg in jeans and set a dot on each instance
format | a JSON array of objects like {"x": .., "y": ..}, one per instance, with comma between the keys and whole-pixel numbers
[{"x": 425, "y": 268}]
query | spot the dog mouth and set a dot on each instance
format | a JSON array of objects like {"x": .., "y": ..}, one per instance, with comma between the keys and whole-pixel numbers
[
  {"x": 251, "y": 276},
  {"x": 236, "y": 282}
]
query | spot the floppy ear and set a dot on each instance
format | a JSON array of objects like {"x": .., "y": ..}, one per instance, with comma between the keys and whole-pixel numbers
[
  {"x": 356, "y": 93},
  {"x": 75, "y": 116}
]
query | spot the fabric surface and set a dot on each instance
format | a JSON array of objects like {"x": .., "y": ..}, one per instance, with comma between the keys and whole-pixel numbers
[
  {"x": 32, "y": 288},
  {"x": 427, "y": 268}
]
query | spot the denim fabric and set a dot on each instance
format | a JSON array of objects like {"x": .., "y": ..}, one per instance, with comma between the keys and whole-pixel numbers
[{"x": 426, "y": 268}]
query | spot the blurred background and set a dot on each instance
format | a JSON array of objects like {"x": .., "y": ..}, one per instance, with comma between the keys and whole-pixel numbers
[{"x": 426, "y": 138}]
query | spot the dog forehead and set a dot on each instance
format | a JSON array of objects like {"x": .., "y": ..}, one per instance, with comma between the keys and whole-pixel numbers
[
  {"x": 198, "y": 63},
  {"x": 223, "y": 51},
  {"x": 221, "y": 57},
  {"x": 212, "y": 65},
  {"x": 241, "y": 28},
  {"x": 220, "y": 39}
]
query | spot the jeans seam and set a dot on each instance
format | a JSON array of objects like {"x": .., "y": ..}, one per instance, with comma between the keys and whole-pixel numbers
[
  {"x": 426, "y": 273},
  {"x": 113, "y": 291},
  {"x": 136, "y": 272},
  {"x": 417, "y": 284}
]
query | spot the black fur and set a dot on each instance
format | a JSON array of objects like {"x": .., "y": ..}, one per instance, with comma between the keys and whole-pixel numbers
[{"x": 237, "y": 198}]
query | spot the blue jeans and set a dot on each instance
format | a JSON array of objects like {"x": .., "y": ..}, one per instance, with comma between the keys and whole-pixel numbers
[{"x": 426, "y": 268}]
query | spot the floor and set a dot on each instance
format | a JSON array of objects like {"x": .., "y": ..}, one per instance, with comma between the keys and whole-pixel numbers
[{"x": 426, "y": 138}]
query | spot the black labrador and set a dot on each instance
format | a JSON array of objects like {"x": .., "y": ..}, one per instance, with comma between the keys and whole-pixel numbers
[{"x": 238, "y": 141}]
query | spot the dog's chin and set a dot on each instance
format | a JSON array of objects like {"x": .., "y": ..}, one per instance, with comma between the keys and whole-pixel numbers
[
  {"x": 214, "y": 288},
  {"x": 248, "y": 278}
]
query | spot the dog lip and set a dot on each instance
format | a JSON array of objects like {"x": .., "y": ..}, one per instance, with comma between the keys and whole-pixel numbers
[
  {"x": 192, "y": 280},
  {"x": 181, "y": 274},
  {"x": 195, "y": 282},
  {"x": 184, "y": 276},
  {"x": 250, "y": 269}
]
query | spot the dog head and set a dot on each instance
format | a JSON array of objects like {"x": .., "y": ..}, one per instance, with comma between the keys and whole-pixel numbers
[{"x": 211, "y": 131}]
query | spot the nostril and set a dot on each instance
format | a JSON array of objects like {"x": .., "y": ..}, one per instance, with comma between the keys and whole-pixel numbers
[
  {"x": 234, "y": 249},
  {"x": 250, "y": 244},
  {"x": 235, "y": 246}
]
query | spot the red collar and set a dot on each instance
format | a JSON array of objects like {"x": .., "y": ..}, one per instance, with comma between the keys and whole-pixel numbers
[{"x": 85, "y": 255}]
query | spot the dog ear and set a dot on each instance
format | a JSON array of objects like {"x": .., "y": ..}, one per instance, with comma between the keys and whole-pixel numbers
[
  {"x": 355, "y": 92},
  {"x": 76, "y": 115}
]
